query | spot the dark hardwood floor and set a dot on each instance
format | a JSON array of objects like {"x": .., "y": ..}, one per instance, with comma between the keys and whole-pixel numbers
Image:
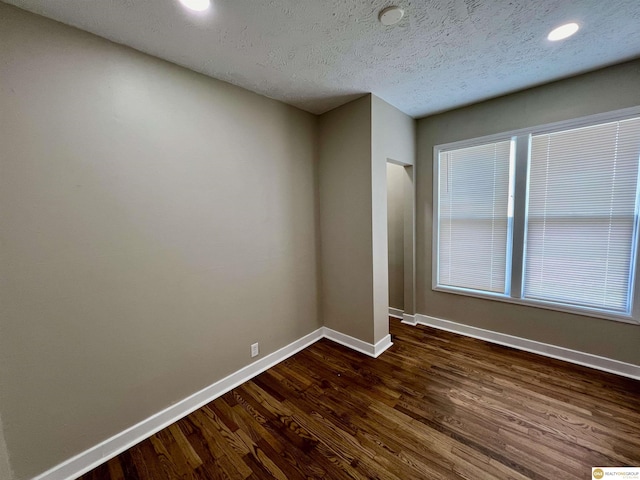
[{"x": 435, "y": 405}]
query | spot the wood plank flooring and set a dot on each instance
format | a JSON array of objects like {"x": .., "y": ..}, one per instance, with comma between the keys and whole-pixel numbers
[{"x": 435, "y": 405}]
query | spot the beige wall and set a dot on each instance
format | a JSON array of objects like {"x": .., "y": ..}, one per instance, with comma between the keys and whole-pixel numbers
[
  {"x": 355, "y": 142},
  {"x": 344, "y": 176},
  {"x": 395, "y": 234},
  {"x": 5, "y": 466},
  {"x": 154, "y": 224},
  {"x": 393, "y": 133},
  {"x": 409, "y": 237},
  {"x": 393, "y": 139},
  {"x": 604, "y": 90}
]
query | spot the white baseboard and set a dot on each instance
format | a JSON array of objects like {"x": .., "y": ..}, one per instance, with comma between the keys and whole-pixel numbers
[
  {"x": 404, "y": 317},
  {"x": 553, "y": 351},
  {"x": 409, "y": 319},
  {"x": 91, "y": 458},
  {"x": 358, "y": 345}
]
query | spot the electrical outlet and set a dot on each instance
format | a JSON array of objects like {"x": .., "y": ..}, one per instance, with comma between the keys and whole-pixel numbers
[{"x": 255, "y": 350}]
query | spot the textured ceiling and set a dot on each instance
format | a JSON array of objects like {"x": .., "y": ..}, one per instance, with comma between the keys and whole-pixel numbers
[{"x": 318, "y": 54}]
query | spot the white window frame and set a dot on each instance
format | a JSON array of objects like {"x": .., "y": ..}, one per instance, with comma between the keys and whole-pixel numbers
[{"x": 517, "y": 235}]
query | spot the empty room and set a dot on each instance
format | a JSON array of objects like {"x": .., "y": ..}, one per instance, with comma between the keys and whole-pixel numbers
[{"x": 304, "y": 239}]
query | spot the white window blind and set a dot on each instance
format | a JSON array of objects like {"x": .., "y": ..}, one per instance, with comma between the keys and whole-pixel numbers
[
  {"x": 474, "y": 217},
  {"x": 581, "y": 215}
]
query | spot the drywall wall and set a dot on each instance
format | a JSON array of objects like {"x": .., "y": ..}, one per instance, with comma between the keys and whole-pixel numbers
[
  {"x": 355, "y": 141},
  {"x": 393, "y": 133},
  {"x": 5, "y": 466},
  {"x": 344, "y": 176},
  {"x": 393, "y": 140},
  {"x": 600, "y": 91},
  {"x": 409, "y": 237},
  {"x": 395, "y": 234},
  {"x": 154, "y": 224}
]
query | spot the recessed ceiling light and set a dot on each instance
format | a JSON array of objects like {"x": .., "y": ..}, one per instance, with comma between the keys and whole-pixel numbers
[
  {"x": 391, "y": 15},
  {"x": 196, "y": 5},
  {"x": 563, "y": 31}
]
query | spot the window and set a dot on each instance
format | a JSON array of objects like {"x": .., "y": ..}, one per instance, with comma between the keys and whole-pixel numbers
[
  {"x": 474, "y": 216},
  {"x": 546, "y": 216}
]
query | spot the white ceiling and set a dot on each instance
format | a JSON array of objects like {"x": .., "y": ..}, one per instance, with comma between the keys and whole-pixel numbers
[{"x": 318, "y": 54}]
